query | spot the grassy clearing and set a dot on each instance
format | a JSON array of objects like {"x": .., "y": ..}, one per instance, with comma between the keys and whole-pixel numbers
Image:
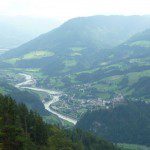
[
  {"x": 32, "y": 55},
  {"x": 52, "y": 119},
  {"x": 76, "y": 49},
  {"x": 133, "y": 147},
  {"x": 134, "y": 77},
  {"x": 106, "y": 87},
  {"x": 67, "y": 124},
  {"x": 120, "y": 66},
  {"x": 141, "y": 43},
  {"x": 75, "y": 54},
  {"x": 140, "y": 62},
  {"x": 112, "y": 84},
  {"x": 104, "y": 96},
  {"x": 87, "y": 71},
  {"x": 32, "y": 70},
  {"x": 2, "y": 91},
  {"x": 38, "y": 54},
  {"x": 12, "y": 60},
  {"x": 103, "y": 63},
  {"x": 70, "y": 63},
  {"x": 56, "y": 82}
]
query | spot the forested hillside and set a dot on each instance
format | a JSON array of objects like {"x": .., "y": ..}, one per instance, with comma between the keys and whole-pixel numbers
[
  {"x": 124, "y": 69},
  {"x": 102, "y": 73},
  {"x": 30, "y": 99},
  {"x": 21, "y": 129},
  {"x": 87, "y": 77},
  {"x": 77, "y": 60},
  {"x": 77, "y": 44},
  {"x": 75, "y": 75},
  {"x": 126, "y": 123}
]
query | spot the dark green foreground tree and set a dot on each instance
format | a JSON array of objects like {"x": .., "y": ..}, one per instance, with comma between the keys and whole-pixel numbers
[{"x": 21, "y": 129}]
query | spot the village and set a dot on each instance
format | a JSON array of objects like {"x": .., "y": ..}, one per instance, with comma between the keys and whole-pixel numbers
[{"x": 77, "y": 107}]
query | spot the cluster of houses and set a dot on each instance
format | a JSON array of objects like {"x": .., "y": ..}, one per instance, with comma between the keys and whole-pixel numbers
[{"x": 75, "y": 107}]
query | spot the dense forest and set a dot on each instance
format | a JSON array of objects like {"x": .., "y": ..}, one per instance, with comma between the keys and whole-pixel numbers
[
  {"x": 21, "y": 129},
  {"x": 30, "y": 99},
  {"x": 127, "y": 123}
]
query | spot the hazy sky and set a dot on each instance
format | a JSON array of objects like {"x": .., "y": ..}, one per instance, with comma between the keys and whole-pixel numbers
[{"x": 73, "y": 8}]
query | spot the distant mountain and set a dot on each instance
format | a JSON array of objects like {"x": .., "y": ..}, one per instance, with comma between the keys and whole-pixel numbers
[
  {"x": 127, "y": 123},
  {"x": 142, "y": 36},
  {"x": 15, "y": 31},
  {"x": 74, "y": 45},
  {"x": 123, "y": 69}
]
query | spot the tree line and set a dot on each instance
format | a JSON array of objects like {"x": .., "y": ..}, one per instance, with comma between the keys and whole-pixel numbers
[{"x": 23, "y": 129}]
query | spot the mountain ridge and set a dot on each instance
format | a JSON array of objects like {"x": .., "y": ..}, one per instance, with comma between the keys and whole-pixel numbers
[{"x": 75, "y": 44}]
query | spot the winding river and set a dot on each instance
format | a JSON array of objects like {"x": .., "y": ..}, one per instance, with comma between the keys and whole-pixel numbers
[{"x": 29, "y": 81}]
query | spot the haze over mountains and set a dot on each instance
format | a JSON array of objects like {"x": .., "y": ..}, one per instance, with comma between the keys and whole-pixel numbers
[
  {"x": 101, "y": 67},
  {"x": 77, "y": 40},
  {"x": 17, "y": 30}
]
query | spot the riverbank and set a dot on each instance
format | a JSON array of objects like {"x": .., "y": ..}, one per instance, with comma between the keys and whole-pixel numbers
[{"x": 29, "y": 81}]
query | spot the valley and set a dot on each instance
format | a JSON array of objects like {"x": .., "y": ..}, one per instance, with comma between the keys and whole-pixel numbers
[
  {"x": 88, "y": 73},
  {"x": 30, "y": 81},
  {"x": 63, "y": 105}
]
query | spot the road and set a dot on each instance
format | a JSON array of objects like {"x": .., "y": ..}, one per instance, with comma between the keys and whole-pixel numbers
[{"x": 29, "y": 81}]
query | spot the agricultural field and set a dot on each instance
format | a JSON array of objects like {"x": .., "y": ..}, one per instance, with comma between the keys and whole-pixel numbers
[{"x": 133, "y": 147}]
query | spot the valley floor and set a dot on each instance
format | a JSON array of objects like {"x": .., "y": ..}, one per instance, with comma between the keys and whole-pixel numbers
[{"x": 29, "y": 81}]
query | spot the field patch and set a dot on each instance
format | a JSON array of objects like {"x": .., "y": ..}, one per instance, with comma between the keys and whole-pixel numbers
[
  {"x": 70, "y": 63},
  {"x": 12, "y": 60},
  {"x": 76, "y": 49},
  {"x": 75, "y": 54},
  {"x": 141, "y": 43},
  {"x": 38, "y": 54}
]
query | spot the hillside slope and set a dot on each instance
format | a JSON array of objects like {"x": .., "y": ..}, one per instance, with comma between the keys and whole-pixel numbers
[
  {"x": 30, "y": 99},
  {"x": 126, "y": 70},
  {"x": 21, "y": 129},
  {"x": 127, "y": 123},
  {"x": 74, "y": 45}
]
